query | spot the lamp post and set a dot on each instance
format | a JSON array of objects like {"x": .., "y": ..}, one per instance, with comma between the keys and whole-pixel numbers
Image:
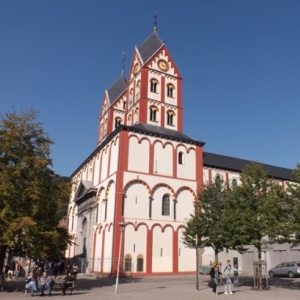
[{"x": 122, "y": 227}]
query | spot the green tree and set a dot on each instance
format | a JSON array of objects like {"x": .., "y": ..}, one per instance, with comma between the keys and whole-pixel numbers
[
  {"x": 259, "y": 208},
  {"x": 208, "y": 219},
  {"x": 30, "y": 193}
]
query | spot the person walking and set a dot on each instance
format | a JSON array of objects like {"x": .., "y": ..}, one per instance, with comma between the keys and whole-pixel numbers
[
  {"x": 75, "y": 270},
  {"x": 214, "y": 275},
  {"x": 228, "y": 282}
]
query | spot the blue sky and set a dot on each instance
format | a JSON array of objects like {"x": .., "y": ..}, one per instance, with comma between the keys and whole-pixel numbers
[{"x": 239, "y": 61}]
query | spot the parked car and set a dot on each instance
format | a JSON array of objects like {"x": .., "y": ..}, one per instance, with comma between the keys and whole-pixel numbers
[{"x": 289, "y": 268}]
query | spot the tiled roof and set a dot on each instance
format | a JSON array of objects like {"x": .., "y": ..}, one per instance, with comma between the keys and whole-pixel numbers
[
  {"x": 116, "y": 89},
  {"x": 237, "y": 164},
  {"x": 163, "y": 132},
  {"x": 150, "y": 46}
]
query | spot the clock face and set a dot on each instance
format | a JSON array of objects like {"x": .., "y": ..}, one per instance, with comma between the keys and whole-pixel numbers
[{"x": 163, "y": 65}]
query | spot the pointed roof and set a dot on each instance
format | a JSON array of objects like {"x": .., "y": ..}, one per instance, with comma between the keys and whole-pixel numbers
[
  {"x": 85, "y": 188},
  {"x": 116, "y": 89},
  {"x": 150, "y": 46}
]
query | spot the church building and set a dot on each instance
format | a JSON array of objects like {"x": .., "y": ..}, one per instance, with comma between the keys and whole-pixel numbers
[{"x": 134, "y": 193}]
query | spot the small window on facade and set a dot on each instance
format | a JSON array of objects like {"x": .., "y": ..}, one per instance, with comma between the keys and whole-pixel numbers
[
  {"x": 170, "y": 89},
  {"x": 234, "y": 183},
  {"x": 180, "y": 158},
  {"x": 128, "y": 263},
  {"x": 153, "y": 86},
  {"x": 170, "y": 115},
  {"x": 140, "y": 263},
  {"x": 153, "y": 113},
  {"x": 166, "y": 205},
  {"x": 117, "y": 122},
  {"x": 124, "y": 104},
  {"x": 218, "y": 182}
]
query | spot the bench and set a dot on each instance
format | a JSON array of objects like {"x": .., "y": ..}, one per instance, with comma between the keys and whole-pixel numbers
[{"x": 57, "y": 286}]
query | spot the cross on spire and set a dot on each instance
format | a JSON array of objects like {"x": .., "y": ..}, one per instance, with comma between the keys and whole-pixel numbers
[
  {"x": 123, "y": 60},
  {"x": 155, "y": 17}
]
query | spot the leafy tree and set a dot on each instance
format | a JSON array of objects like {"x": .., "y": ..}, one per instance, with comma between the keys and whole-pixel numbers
[
  {"x": 29, "y": 190},
  {"x": 207, "y": 221},
  {"x": 259, "y": 208}
]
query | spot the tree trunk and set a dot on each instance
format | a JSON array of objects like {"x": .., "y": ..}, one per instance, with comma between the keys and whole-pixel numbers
[
  {"x": 216, "y": 256},
  {"x": 2, "y": 257},
  {"x": 259, "y": 271}
]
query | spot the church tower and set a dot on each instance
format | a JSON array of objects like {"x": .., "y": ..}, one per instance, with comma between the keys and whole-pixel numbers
[{"x": 152, "y": 94}]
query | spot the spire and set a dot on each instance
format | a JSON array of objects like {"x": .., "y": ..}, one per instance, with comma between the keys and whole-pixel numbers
[
  {"x": 155, "y": 17},
  {"x": 123, "y": 60}
]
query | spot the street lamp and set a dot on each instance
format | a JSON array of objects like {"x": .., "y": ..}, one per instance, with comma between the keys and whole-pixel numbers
[{"x": 122, "y": 227}]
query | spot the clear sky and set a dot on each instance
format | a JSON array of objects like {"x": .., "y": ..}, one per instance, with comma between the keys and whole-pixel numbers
[{"x": 240, "y": 63}]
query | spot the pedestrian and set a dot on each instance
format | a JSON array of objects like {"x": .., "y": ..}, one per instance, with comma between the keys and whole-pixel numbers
[
  {"x": 62, "y": 267},
  {"x": 214, "y": 276},
  {"x": 55, "y": 269},
  {"x": 11, "y": 270},
  {"x": 75, "y": 270},
  {"x": 228, "y": 282},
  {"x": 17, "y": 268}
]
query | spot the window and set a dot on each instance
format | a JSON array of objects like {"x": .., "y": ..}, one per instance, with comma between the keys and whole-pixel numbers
[
  {"x": 97, "y": 211},
  {"x": 124, "y": 104},
  {"x": 166, "y": 205},
  {"x": 140, "y": 263},
  {"x": 153, "y": 85},
  {"x": 234, "y": 183},
  {"x": 180, "y": 158},
  {"x": 218, "y": 182},
  {"x": 153, "y": 110},
  {"x": 170, "y": 115},
  {"x": 118, "y": 122},
  {"x": 170, "y": 89},
  {"x": 127, "y": 265}
]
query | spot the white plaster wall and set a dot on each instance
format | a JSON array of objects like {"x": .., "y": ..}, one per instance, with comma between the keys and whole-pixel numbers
[
  {"x": 135, "y": 243},
  {"x": 184, "y": 206},
  {"x": 97, "y": 169},
  {"x": 208, "y": 256},
  {"x": 104, "y": 160},
  {"x": 114, "y": 157},
  {"x": 136, "y": 203},
  {"x": 111, "y": 202},
  {"x": 215, "y": 172},
  {"x": 163, "y": 159},
  {"x": 98, "y": 251},
  {"x": 188, "y": 169},
  {"x": 157, "y": 204},
  {"x": 138, "y": 155},
  {"x": 186, "y": 256},
  {"x": 107, "y": 259},
  {"x": 162, "y": 241},
  {"x": 154, "y": 180}
]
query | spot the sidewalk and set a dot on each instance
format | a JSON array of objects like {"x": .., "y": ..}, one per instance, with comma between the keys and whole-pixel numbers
[{"x": 166, "y": 287}]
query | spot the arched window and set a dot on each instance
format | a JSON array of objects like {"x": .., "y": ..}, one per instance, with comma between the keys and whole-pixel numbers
[
  {"x": 234, "y": 183},
  {"x": 218, "y": 182},
  {"x": 117, "y": 122},
  {"x": 130, "y": 98},
  {"x": 166, "y": 205},
  {"x": 170, "y": 89},
  {"x": 153, "y": 111},
  {"x": 140, "y": 263},
  {"x": 153, "y": 85},
  {"x": 128, "y": 263},
  {"x": 180, "y": 158},
  {"x": 170, "y": 115}
]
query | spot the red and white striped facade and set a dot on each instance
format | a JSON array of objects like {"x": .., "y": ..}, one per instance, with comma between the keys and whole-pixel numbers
[{"x": 144, "y": 172}]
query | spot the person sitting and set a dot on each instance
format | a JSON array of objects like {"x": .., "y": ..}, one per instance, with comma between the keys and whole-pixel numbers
[
  {"x": 31, "y": 283},
  {"x": 68, "y": 282},
  {"x": 45, "y": 282}
]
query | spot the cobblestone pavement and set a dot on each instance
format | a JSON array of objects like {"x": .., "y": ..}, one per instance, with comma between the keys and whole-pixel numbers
[{"x": 163, "y": 287}]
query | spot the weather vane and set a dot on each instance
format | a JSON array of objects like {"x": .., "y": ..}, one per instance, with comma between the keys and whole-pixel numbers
[
  {"x": 155, "y": 17},
  {"x": 123, "y": 61}
]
